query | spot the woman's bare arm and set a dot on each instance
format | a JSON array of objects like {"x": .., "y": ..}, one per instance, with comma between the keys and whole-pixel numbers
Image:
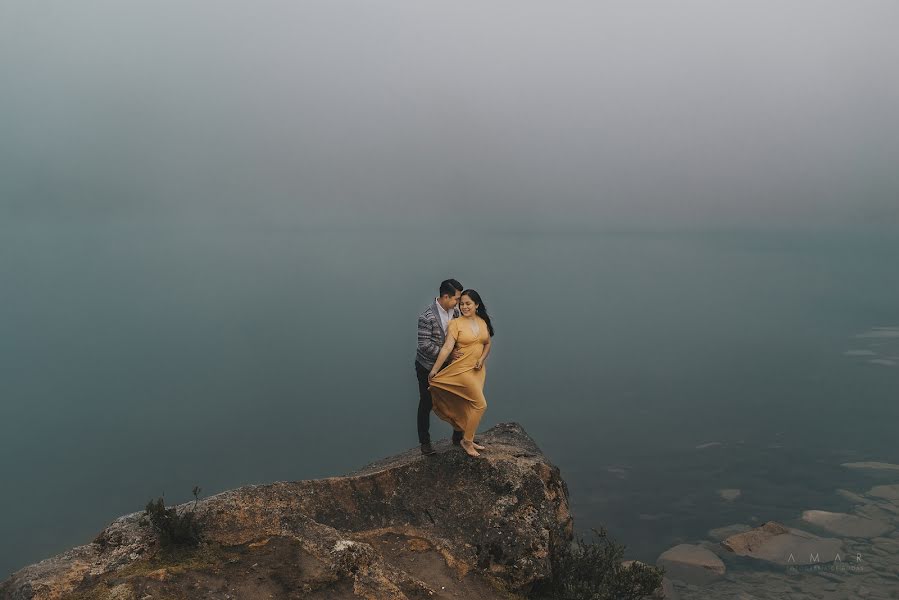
[
  {"x": 444, "y": 352},
  {"x": 483, "y": 358}
]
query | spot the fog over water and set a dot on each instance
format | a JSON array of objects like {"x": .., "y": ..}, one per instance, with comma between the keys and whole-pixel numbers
[{"x": 219, "y": 221}]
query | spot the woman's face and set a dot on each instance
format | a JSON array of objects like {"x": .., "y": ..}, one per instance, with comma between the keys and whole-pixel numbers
[{"x": 467, "y": 306}]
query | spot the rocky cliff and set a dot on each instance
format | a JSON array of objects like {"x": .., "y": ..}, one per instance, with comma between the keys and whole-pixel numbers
[{"x": 408, "y": 526}]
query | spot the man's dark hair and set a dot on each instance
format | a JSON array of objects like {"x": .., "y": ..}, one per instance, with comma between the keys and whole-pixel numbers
[{"x": 450, "y": 287}]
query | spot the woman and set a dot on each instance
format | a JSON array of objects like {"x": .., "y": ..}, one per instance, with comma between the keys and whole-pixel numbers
[{"x": 457, "y": 392}]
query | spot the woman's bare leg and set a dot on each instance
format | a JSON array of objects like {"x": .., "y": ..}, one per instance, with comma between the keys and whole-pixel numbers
[{"x": 474, "y": 418}]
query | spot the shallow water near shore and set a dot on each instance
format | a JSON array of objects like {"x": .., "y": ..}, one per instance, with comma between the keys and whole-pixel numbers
[{"x": 654, "y": 368}]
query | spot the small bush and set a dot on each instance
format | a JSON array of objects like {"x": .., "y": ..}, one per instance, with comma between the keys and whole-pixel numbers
[
  {"x": 593, "y": 571},
  {"x": 174, "y": 529}
]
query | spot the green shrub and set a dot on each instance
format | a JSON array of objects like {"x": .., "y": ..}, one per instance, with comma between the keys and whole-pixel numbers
[
  {"x": 593, "y": 571},
  {"x": 172, "y": 528}
]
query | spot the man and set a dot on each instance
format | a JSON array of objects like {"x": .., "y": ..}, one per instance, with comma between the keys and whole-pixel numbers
[{"x": 431, "y": 336}]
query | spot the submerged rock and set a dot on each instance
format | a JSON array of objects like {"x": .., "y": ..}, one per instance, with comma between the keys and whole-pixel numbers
[
  {"x": 886, "y": 492},
  {"x": 846, "y": 525},
  {"x": 691, "y": 563},
  {"x": 720, "y": 534},
  {"x": 871, "y": 466},
  {"x": 777, "y": 544},
  {"x": 875, "y": 511},
  {"x": 852, "y": 496},
  {"x": 408, "y": 526},
  {"x": 730, "y": 494},
  {"x": 708, "y": 445}
]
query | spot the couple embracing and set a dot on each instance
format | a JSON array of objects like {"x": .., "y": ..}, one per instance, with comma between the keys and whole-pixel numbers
[{"x": 453, "y": 343}]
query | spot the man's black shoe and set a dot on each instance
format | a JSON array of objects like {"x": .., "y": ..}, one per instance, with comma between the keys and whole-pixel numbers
[{"x": 427, "y": 448}]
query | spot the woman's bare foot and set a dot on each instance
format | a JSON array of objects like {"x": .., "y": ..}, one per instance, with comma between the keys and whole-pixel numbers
[
  {"x": 477, "y": 446},
  {"x": 469, "y": 448}
]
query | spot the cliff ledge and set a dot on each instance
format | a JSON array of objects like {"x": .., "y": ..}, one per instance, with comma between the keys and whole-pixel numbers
[{"x": 405, "y": 527}]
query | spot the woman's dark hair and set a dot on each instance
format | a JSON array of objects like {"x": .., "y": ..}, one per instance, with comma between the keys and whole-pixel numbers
[
  {"x": 482, "y": 309},
  {"x": 449, "y": 287}
]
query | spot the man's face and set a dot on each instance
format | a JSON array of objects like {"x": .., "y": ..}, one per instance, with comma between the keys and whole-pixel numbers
[{"x": 449, "y": 302}]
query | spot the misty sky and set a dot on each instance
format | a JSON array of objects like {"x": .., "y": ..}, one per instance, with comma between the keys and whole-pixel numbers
[{"x": 331, "y": 113}]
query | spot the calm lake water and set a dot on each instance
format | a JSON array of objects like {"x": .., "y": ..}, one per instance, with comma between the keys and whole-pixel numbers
[{"x": 654, "y": 368}]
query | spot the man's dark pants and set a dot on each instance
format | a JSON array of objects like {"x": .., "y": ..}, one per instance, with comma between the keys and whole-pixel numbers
[{"x": 424, "y": 407}]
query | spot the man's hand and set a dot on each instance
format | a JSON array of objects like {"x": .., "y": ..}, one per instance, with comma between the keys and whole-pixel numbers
[{"x": 457, "y": 354}]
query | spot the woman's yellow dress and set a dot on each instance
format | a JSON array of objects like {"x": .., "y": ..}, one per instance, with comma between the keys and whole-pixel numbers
[{"x": 457, "y": 391}]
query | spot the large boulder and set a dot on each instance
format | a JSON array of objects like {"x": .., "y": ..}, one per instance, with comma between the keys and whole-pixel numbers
[{"x": 409, "y": 526}]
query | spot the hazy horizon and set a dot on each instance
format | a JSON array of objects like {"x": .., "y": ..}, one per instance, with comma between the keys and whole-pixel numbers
[{"x": 517, "y": 114}]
